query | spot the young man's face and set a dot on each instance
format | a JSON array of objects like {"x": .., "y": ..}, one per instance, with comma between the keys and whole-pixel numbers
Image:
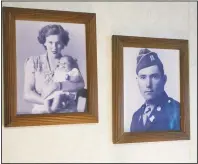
[{"x": 151, "y": 82}]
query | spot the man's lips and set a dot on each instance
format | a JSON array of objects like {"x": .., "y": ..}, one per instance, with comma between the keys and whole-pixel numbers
[
  {"x": 54, "y": 51},
  {"x": 148, "y": 92}
]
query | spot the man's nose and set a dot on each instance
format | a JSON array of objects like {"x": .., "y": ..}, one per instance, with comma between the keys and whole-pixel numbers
[{"x": 148, "y": 82}]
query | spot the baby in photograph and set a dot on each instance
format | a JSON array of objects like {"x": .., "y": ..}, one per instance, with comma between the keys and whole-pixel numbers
[{"x": 65, "y": 71}]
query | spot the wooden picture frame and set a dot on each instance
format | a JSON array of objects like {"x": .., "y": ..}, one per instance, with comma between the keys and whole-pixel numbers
[
  {"x": 10, "y": 16},
  {"x": 119, "y": 43}
]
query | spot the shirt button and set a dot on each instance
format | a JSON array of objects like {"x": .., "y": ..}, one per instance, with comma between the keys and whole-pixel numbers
[
  {"x": 169, "y": 101},
  {"x": 158, "y": 108}
]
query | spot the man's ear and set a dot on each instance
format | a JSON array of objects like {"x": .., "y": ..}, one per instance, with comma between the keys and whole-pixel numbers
[
  {"x": 165, "y": 79},
  {"x": 136, "y": 79}
]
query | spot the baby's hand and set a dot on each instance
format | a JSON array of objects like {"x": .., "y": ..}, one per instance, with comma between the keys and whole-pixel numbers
[{"x": 67, "y": 77}]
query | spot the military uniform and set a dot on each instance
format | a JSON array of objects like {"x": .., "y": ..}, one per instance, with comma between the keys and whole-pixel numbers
[
  {"x": 164, "y": 117},
  {"x": 165, "y": 112}
]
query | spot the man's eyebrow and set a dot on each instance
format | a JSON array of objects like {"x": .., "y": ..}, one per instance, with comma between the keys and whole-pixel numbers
[
  {"x": 149, "y": 74},
  {"x": 155, "y": 74},
  {"x": 142, "y": 75}
]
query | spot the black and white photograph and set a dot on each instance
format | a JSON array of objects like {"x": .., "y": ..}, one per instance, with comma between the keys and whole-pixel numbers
[
  {"x": 51, "y": 67},
  {"x": 151, "y": 89}
]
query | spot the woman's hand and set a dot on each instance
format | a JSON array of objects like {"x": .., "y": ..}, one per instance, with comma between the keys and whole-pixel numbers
[{"x": 49, "y": 89}]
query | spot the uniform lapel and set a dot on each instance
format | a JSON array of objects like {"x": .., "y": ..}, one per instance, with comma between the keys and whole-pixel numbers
[{"x": 140, "y": 118}]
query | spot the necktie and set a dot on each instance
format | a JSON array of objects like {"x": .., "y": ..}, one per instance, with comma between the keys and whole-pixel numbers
[{"x": 145, "y": 115}]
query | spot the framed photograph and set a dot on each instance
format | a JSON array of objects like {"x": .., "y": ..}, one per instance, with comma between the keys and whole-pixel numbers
[
  {"x": 50, "y": 67},
  {"x": 150, "y": 89}
]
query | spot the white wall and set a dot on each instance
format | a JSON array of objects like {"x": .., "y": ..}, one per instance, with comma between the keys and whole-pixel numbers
[{"x": 93, "y": 142}]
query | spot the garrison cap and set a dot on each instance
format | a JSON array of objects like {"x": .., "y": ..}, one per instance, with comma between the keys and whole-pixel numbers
[{"x": 147, "y": 58}]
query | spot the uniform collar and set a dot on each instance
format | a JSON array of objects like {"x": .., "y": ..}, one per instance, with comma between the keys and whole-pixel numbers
[{"x": 160, "y": 100}]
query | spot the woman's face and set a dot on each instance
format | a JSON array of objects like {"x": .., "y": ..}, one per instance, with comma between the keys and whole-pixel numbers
[{"x": 53, "y": 44}]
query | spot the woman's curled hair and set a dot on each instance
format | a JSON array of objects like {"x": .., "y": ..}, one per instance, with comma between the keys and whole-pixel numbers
[{"x": 53, "y": 30}]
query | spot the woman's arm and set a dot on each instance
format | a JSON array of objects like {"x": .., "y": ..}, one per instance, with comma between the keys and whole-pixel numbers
[
  {"x": 72, "y": 86},
  {"x": 33, "y": 97},
  {"x": 29, "y": 91},
  {"x": 30, "y": 94}
]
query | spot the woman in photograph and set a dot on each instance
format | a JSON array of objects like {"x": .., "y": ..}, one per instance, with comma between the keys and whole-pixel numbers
[{"x": 40, "y": 72}]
